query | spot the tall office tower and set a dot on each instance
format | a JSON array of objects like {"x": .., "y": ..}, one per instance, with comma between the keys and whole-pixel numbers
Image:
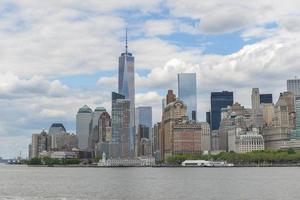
[
  {"x": 171, "y": 97},
  {"x": 94, "y": 137},
  {"x": 127, "y": 86},
  {"x": 293, "y": 86},
  {"x": 256, "y": 114},
  {"x": 122, "y": 137},
  {"x": 56, "y": 128},
  {"x": 187, "y": 92},
  {"x": 265, "y": 98},
  {"x": 219, "y": 100},
  {"x": 255, "y": 99},
  {"x": 144, "y": 117},
  {"x": 84, "y": 126},
  {"x": 173, "y": 112},
  {"x": 115, "y": 116}
]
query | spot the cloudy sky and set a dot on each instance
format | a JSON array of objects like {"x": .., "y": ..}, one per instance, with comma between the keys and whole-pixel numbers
[{"x": 56, "y": 56}]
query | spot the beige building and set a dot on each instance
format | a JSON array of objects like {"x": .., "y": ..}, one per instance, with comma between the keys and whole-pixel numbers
[
  {"x": 235, "y": 116},
  {"x": 40, "y": 143},
  {"x": 245, "y": 141},
  {"x": 173, "y": 112},
  {"x": 63, "y": 141},
  {"x": 278, "y": 134},
  {"x": 251, "y": 141},
  {"x": 268, "y": 111}
]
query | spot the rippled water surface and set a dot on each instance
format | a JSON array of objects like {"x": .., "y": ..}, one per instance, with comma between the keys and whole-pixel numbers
[{"x": 21, "y": 182}]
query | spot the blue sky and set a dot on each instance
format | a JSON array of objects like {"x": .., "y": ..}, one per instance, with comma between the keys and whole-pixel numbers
[{"x": 58, "y": 56}]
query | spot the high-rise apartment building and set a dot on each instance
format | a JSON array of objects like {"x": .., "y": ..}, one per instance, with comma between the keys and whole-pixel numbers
[
  {"x": 40, "y": 142},
  {"x": 218, "y": 101},
  {"x": 187, "y": 92},
  {"x": 84, "y": 126}
]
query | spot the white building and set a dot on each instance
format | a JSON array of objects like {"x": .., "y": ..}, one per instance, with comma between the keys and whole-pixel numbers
[
  {"x": 63, "y": 154},
  {"x": 205, "y": 136},
  {"x": 251, "y": 141},
  {"x": 245, "y": 141},
  {"x": 83, "y": 126}
]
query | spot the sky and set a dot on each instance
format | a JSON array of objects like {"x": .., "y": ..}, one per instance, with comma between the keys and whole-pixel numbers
[{"x": 56, "y": 56}]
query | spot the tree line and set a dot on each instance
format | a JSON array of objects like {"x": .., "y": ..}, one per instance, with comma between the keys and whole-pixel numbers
[{"x": 255, "y": 157}]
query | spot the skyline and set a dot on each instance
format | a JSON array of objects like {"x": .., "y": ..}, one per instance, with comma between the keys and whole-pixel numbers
[{"x": 66, "y": 52}]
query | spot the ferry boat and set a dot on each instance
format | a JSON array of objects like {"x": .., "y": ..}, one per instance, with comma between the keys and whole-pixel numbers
[{"x": 205, "y": 163}]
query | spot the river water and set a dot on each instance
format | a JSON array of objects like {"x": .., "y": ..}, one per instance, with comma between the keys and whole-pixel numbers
[{"x": 35, "y": 183}]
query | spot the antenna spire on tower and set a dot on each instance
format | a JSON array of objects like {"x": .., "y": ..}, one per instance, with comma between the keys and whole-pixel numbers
[{"x": 126, "y": 46}]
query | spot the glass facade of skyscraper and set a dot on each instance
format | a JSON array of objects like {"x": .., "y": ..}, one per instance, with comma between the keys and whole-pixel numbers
[
  {"x": 144, "y": 117},
  {"x": 115, "y": 113},
  {"x": 219, "y": 100},
  {"x": 126, "y": 87},
  {"x": 295, "y": 134},
  {"x": 187, "y": 92},
  {"x": 266, "y": 98},
  {"x": 293, "y": 86}
]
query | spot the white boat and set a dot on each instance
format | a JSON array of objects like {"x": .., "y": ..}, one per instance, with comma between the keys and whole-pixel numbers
[{"x": 205, "y": 163}]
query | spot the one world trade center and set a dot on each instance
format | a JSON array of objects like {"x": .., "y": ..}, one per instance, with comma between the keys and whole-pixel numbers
[{"x": 126, "y": 87}]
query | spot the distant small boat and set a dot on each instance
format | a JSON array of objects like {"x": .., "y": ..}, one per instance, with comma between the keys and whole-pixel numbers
[
  {"x": 13, "y": 162},
  {"x": 205, "y": 163}
]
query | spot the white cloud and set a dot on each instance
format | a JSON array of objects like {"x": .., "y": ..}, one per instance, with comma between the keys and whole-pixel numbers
[
  {"x": 13, "y": 86},
  {"x": 216, "y": 16},
  {"x": 108, "y": 81}
]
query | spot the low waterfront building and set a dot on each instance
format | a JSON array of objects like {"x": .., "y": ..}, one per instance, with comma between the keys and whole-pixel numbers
[
  {"x": 128, "y": 162},
  {"x": 63, "y": 154}
]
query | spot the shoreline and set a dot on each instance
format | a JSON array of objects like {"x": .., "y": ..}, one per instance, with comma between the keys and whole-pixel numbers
[{"x": 167, "y": 166}]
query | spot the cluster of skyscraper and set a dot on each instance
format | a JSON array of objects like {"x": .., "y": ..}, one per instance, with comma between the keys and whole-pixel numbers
[
  {"x": 56, "y": 143},
  {"x": 263, "y": 126},
  {"x": 128, "y": 132}
]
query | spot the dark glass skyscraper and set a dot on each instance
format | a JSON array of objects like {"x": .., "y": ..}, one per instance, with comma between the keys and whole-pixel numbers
[
  {"x": 219, "y": 100},
  {"x": 266, "y": 98}
]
